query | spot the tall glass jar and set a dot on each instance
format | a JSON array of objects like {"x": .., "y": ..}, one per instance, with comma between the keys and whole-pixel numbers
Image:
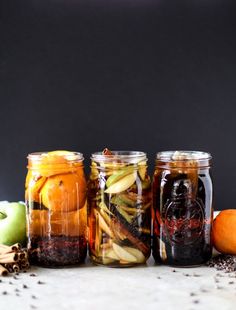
[
  {"x": 182, "y": 208},
  {"x": 119, "y": 209},
  {"x": 56, "y": 208}
]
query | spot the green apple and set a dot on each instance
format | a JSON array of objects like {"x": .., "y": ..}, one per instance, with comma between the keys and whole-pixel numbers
[{"x": 12, "y": 223}]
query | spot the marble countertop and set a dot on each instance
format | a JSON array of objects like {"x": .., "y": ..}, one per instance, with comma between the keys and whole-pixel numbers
[{"x": 95, "y": 287}]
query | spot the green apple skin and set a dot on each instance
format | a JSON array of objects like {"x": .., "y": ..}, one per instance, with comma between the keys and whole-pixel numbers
[{"x": 12, "y": 223}]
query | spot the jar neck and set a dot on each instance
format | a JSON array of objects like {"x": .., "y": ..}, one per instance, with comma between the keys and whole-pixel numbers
[
  {"x": 183, "y": 159},
  {"x": 118, "y": 160},
  {"x": 61, "y": 160}
]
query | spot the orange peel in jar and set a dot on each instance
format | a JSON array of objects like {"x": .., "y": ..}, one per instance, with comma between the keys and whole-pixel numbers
[
  {"x": 57, "y": 162},
  {"x": 33, "y": 188},
  {"x": 65, "y": 192}
]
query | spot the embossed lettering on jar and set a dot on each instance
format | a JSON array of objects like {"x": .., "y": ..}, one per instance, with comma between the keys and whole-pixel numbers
[{"x": 182, "y": 208}]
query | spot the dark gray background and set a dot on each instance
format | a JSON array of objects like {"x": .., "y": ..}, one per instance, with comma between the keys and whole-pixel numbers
[{"x": 138, "y": 75}]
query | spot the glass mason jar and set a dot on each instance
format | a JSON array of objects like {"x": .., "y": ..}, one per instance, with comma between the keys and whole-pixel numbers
[
  {"x": 56, "y": 208},
  {"x": 182, "y": 208},
  {"x": 119, "y": 209}
]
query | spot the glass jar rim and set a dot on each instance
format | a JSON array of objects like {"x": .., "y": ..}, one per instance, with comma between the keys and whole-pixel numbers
[
  {"x": 69, "y": 156},
  {"x": 183, "y": 155},
  {"x": 120, "y": 156}
]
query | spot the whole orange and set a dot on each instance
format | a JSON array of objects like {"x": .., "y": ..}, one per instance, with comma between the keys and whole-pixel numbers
[
  {"x": 224, "y": 232},
  {"x": 64, "y": 192}
]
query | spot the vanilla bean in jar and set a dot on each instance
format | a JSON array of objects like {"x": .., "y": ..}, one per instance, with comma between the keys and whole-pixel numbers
[
  {"x": 119, "y": 208},
  {"x": 182, "y": 208},
  {"x": 56, "y": 208}
]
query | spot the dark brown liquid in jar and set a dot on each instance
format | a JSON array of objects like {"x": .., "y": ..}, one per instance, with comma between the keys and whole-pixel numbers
[{"x": 182, "y": 208}]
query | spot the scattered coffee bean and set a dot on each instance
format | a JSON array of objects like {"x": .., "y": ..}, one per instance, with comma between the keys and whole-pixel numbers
[
  {"x": 231, "y": 282},
  {"x": 203, "y": 290},
  {"x": 40, "y": 282},
  {"x": 4, "y": 293},
  {"x": 24, "y": 286},
  {"x": 10, "y": 283},
  {"x": 15, "y": 277},
  {"x": 33, "y": 297},
  {"x": 33, "y": 275},
  {"x": 223, "y": 262},
  {"x": 17, "y": 290},
  {"x": 173, "y": 270},
  {"x": 186, "y": 275}
]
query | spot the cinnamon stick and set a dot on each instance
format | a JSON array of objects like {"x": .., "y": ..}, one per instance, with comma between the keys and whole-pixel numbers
[
  {"x": 106, "y": 151},
  {"x": 16, "y": 247},
  {"x": 13, "y": 259},
  {"x": 8, "y": 258},
  {"x": 9, "y": 267},
  {"x": 116, "y": 225},
  {"x": 22, "y": 255},
  {"x": 16, "y": 268},
  {"x": 4, "y": 249},
  {"x": 3, "y": 271}
]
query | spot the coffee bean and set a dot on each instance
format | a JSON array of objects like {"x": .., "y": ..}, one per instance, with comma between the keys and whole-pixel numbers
[{"x": 203, "y": 290}]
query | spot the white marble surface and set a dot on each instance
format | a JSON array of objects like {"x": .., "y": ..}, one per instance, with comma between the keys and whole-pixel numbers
[{"x": 93, "y": 287}]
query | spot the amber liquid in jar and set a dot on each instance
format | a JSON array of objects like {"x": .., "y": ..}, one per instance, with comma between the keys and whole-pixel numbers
[
  {"x": 119, "y": 209},
  {"x": 182, "y": 208},
  {"x": 56, "y": 208}
]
